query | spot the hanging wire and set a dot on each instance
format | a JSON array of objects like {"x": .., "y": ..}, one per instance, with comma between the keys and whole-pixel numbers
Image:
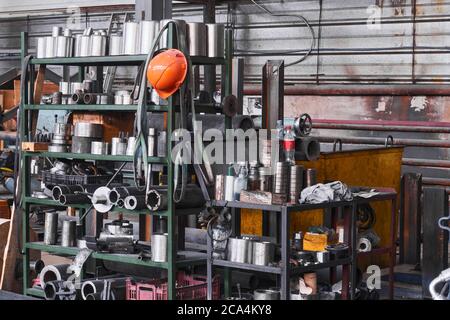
[{"x": 297, "y": 16}]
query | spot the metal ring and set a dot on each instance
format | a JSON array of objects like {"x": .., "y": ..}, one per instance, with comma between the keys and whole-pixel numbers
[{"x": 335, "y": 143}]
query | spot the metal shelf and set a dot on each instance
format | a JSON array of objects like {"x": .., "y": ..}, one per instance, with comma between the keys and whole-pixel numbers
[
  {"x": 88, "y": 156},
  {"x": 188, "y": 257},
  {"x": 123, "y": 60},
  {"x": 93, "y": 107},
  {"x": 129, "y": 60},
  {"x": 318, "y": 266}
]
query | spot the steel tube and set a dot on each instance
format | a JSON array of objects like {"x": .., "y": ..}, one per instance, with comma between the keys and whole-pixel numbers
[
  {"x": 37, "y": 266},
  {"x": 52, "y": 288},
  {"x": 382, "y": 141},
  {"x": 68, "y": 234},
  {"x": 134, "y": 202},
  {"x": 51, "y": 228},
  {"x": 53, "y": 272},
  {"x": 157, "y": 198},
  {"x": 436, "y": 182},
  {"x": 66, "y": 199},
  {"x": 59, "y": 190},
  {"x": 91, "y": 287},
  {"x": 197, "y": 38}
]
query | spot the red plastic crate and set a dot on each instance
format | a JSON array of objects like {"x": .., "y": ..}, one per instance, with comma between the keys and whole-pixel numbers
[{"x": 188, "y": 288}]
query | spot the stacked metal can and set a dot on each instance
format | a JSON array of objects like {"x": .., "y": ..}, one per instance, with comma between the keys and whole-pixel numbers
[
  {"x": 281, "y": 179},
  {"x": 295, "y": 183}
]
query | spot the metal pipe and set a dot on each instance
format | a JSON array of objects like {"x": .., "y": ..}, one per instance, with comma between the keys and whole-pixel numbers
[
  {"x": 119, "y": 193},
  {"x": 53, "y": 272},
  {"x": 436, "y": 182},
  {"x": 426, "y": 163},
  {"x": 382, "y": 126},
  {"x": 59, "y": 190},
  {"x": 382, "y": 141},
  {"x": 51, "y": 228},
  {"x": 37, "y": 266},
  {"x": 134, "y": 202},
  {"x": 91, "y": 287},
  {"x": 359, "y": 90},
  {"x": 307, "y": 149},
  {"x": 52, "y": 288}
]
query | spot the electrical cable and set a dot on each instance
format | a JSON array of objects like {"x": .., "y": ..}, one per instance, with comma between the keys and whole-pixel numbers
[{"x": 305, "y": 22}]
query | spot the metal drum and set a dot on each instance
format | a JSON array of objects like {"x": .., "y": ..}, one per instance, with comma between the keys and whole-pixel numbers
[
  {"x": 216, "y": 44},
  {"x": 87, "y": 129},
  {"x": 196, "y": 38}
]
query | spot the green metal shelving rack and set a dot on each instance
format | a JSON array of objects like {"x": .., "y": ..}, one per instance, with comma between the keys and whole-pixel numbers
[{"x": 28, "y": 106}]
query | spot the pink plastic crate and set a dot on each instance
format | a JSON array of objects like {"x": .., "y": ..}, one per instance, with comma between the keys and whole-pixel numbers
[{"x": 188, "y": 288}]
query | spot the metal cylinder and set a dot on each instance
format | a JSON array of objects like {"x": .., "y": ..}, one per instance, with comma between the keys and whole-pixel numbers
[
  {"x": 151, "y": 142},
  {"x": 58, "y": 190},
  {"x": 82, "y": 144},
  {"x": 51, "y": 272},
  {"x": 90, "y": 98},
  {"x": 85, "y": 46},
  {"x": 98, "y": 45},
  {"x": 263, "y": 253},
  {"x": 36, "y": 266},
  {"x": 76, "y": 86},
  {"x": 62, "y": 44},
  {"x": 66, "y": 199},
  {"x": 91, "y": 287},
  {"x": 99, "y": 147},
  {"x": 310, "y": 177},
  {"x": 159, "y": 247},
  {"x": 265, "y": 179},
  {"x": 118, "y": 146},
  {"x": 41, "y": 47},
  {"x": 88, "y": 130},
  {"x": 134, "y": 202},
  {"x": 196, "y": 35},
  {"x": 78, "y": 97},
  {"x": 307, "y": 149},
  {"x": 52, "y": 288},
  {"x": 50, "y": 44},
  {"x": 130, "y": 37},
  {"x": 240, "y": 250},
  {"x": 77, "y": 45},
  {"x": 68, "y": 235},
  {"x": 265, "y": 294},
  {"x": 122, "y": 192},
  {"x": 57, "y": 31},
  {"x": 281, "y": 178},
  {"x": 64, "y": 87},
  {"x": 148, "y": 31},
  {"x": 51, "y": 228},
  {"x": 216, "y": 40},
  {"x": 164, "y": 41},
  {"x": 131, "y": 143},
  {"x": 295, "y": 183},
  {"x": 115, "y": 45}
]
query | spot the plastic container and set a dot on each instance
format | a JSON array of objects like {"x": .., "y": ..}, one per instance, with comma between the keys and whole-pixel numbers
[{"x": 188, "y": 288}]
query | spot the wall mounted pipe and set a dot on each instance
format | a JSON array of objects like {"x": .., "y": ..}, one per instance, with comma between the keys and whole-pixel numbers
[{"x": 381, "y": 141}]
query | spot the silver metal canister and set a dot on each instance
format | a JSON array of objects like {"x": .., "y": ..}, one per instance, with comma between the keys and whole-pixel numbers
[
  {"x": 68, "y": 234},
  {"x": 99, "y": 147},
  {"x": 85, "y": 46},
  {"x": 77, "y": 45},
  {"x": 216, "y": 40},
  {"x": 130, "y": 146},
  {"x": 263, "y": 253},
  {"x": 115, "y": 45},
  {"x": 98, "y": 45},
  {"x": 130, "y": 37},
  {"x": 62, "y": 46},
  {"x": 196, "y": 38},
  {"x": 240, "y": 250},
  {"x": 87, "y": 129},
  {"x": 41, "y": 47},
  {"x": 50, "y": 47},
  {"x": 148, "y": 30},
  {"x": 151, "y": 142},
  {"x": 51, "y": 228},
  {"x": 118, "y": 146},
  {"x": 159, "y": 247}
]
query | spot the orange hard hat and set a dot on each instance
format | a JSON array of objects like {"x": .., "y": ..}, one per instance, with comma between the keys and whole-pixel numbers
[{"x": 167, "y": 71}]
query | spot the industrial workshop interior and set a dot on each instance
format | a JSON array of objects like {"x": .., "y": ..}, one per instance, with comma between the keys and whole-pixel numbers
[{"x": 226, "y": 151}]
